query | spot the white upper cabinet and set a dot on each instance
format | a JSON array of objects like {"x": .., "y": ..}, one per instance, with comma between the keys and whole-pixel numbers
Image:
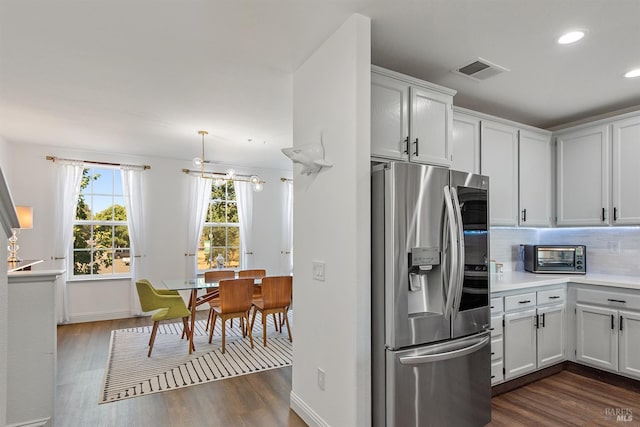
[
  {"x": 535, "y": 179},
  {"x": 410, "y": 119},
  {"x": 626, "y": 172},
  {"x": 389, "y": 118},
  {"x": 430, "y": 125},
  {"x": 583, "y": 177},
  {"x": 499, "y": 160},
  {"x": 465, "y": 143}
]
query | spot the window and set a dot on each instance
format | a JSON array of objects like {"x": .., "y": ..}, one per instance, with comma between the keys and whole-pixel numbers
[
  {"x": 221, "y": 231},
  {"x": 100, "y": 232}
]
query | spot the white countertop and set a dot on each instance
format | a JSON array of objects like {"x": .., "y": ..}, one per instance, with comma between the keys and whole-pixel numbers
[{"x": 515, "y": 280}]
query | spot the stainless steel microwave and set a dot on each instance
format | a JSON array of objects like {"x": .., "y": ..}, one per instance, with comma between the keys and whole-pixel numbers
[{"x": 555, "y": 259}]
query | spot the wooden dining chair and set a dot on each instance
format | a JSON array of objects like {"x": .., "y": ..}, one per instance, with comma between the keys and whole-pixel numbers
[
  {"x": 165, "y": 304},
  {"x": 236, "y": 296},
  {"x": 276, "y": 299},
  {"x": 254, "y": 274},
  {"x": 212, "y": 296}
]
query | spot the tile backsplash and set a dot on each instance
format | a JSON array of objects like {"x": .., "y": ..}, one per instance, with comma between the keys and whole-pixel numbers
[{"x": 610, "y": 250}]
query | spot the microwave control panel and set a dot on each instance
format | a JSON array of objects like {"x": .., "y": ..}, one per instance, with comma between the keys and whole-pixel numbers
[{"x": 579, "y": 258}]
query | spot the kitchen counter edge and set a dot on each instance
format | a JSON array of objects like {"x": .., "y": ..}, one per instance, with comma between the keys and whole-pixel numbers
[{"x": 519, "y": 280}]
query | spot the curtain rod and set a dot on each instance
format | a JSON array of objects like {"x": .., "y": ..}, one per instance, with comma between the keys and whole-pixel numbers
[
  {"x": 54, "y": 159},
  {"x": 286, "y": 179},
  {"x": 213, "y": 175}
]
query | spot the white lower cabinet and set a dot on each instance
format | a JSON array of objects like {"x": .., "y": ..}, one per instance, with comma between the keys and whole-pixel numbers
[
  {"x": 551, "y": 335},
  {"x": 608, "y": 338},
  {"x": 597, "y": 337},
  {"x": 534, "y": 331},
  {"x": 519, "y": 343},
  {"x": 497, "y": 341}
]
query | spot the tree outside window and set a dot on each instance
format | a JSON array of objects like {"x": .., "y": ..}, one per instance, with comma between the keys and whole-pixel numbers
[
  {"x": 221, "y": 231},
  {"x": 100, "y": 232}
]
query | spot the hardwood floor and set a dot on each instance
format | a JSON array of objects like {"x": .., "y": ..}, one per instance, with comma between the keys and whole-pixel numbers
[
  {"x": 566, "y": 399},
  {"x": 262, "y": 399}
]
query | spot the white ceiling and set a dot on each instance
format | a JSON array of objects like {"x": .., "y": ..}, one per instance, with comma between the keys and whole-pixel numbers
[{"x": 142, "y": 77}]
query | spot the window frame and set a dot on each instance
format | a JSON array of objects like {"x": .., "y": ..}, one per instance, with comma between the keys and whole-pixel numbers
[
  {"x": 226, "y": 225},
  {"x": 93, "y": 224}
]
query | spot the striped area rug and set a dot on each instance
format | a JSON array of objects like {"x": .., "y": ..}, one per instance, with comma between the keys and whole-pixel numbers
[{"x": 130, "y": 373}]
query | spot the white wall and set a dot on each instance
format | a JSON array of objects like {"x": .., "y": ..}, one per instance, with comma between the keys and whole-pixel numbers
[
  {"x": 332, "y": 224},
  {"x": 4, "y": 164},
  {"x": 166, "y": 219}
]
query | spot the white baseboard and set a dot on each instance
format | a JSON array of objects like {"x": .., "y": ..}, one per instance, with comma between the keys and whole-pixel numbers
[
  {"x": 95, "y": 317},
  {"x": 43, "y": 422},
  {"x": 305, "y": 412},
  {"x": 110, "y": 315}
]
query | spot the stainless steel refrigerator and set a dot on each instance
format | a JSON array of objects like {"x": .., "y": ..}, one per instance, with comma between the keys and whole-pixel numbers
[{"x": 430, "y": 297}]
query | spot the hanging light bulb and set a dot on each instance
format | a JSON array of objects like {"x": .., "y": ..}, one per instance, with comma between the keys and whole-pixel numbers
[
  {"x": 197, "y": 162},
  {"x": 231, "y": 173},
  {"x": 257, "y": 187},
  {"x": 254, "y": 179}
]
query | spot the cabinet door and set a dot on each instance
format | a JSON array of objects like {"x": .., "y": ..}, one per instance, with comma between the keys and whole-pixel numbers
[
  {"x": 583, "y": 177},
  {"x": 626, "y": 164},
  {"x": 597, "y": 336},
  {"x": 499, "y": 160},
  {"x": 535, "y": 179},
  {"x": 465, "y": 143},
  {"x": 389, "y": 118},
  {"x": 629, "y": 332},
  {"x": 430, "y": 124},
  {"x": 550, "y": 335},
  {"x": 519, "y": 343}
]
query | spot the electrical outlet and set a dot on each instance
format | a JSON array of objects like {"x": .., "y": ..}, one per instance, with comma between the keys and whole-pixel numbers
[
  {"x": 321, "y": 378},
  {"x": 318, "y": 270}
]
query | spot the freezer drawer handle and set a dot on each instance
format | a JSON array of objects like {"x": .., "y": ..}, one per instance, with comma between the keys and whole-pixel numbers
[
  {"x": 429, "y": 358},
  {"x": 617, "y": 300}
]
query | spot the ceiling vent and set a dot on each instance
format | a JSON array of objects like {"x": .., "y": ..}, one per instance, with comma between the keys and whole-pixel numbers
[{"x": 480, "y": 69}]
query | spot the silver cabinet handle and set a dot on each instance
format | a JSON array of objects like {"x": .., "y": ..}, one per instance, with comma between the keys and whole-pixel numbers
[
  {"x": 459, "y": 226},
  {"x": 436, "y": 357},
  {"x": 453, "y": 276}
]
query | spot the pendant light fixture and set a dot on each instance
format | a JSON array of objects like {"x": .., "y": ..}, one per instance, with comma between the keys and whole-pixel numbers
[
  {"x": 220, "y": 178},
  {"x": 199, "y": 161}
]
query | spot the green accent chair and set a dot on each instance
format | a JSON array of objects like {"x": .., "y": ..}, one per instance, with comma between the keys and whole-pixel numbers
[{"x": 166, "y": 305}]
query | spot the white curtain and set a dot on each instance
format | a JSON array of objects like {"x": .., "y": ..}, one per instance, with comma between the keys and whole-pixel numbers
[
  {"x": 199, "y": 196},
  {"x": 69, "y": 178},
  {"x": 133, "y": 201},
  {"x": 287, "y": 228},
  {"x": 244, "y": 197}
]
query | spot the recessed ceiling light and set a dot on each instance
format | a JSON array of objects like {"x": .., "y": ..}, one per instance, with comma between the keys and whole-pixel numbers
[
  {"x": 571, "y": 37},
  {"x": 633, "y": 73}
]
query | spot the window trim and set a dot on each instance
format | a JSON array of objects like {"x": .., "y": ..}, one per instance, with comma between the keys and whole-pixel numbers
[{"x": 71, "y": 276}]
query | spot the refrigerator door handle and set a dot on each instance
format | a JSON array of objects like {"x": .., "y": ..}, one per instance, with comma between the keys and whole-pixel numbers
[
  {"x": 453, "y": 276},
  {"x": 436, "y": 357},
  {"x": 461, "y": 262}
]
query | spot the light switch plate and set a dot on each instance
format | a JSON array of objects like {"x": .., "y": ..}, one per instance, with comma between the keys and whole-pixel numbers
[{"x": 318, "y": 270}]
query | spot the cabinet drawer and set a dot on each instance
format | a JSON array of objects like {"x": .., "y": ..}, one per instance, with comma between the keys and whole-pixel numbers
[
  {"x": 608, "y": 299},
  {"x": 496, "y": 372},
  {"x": 517, "y": 302},
  {"x": 496, "y": 348},
  {"x": 496, "y": 325},
  {"x": 497, "y": 306},
  {"x": 552, "y": 296}
]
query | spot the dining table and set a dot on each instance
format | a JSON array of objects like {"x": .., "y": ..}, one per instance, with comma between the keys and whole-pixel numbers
[{"x": 194, "y": 285}]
